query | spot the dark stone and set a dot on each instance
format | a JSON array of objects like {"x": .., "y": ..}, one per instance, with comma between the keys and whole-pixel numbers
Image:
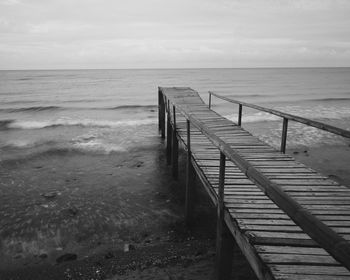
[
  {"x": 138, "y": 164},
  {"x": 109, "y": 255},
  {"x": 334, "y": 177},
  {"x": 43, "y": 256},
  {"x": 72, "y": 211},
  {"x": 295, "y": 152},
  {"x": 49, "y": 195},
  {"x": 66, "y": 258}
]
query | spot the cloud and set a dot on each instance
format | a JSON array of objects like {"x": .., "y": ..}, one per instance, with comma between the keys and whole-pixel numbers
[
  {"x": 10, "y": 2},
  {"x": 154, "y": 33}
]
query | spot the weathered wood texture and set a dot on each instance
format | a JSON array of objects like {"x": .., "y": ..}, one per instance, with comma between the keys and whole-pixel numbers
[{"x": 286, "y": 218}]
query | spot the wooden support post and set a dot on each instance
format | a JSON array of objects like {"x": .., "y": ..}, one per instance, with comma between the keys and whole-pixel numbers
[
  {"x": 190, "y": 177},
  {"x": 209, "y": 100},
  {"x": 224, "y": 239},
  {"x": 161, "y": 113},
  {"x": 240, "y": 115},
  {"x": 168, "y": 137},
  {"x": 175, "y": 152},
  {"x": 284, "y": 135}
]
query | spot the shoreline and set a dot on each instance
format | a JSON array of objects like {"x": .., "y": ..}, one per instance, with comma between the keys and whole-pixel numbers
[{"x": 145, "y": 205}]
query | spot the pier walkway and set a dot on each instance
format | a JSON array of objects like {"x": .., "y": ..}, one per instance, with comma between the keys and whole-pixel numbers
[{"x": 289, "y": 221}]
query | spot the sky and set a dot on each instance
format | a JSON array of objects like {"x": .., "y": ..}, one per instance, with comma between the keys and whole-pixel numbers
[{"x": 119, "y": 34}]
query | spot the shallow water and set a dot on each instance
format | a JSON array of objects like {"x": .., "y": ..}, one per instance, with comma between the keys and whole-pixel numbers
[{"x": 106, "y": 111}]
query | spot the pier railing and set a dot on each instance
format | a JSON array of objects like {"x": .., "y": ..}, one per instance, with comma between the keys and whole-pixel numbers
[
  {"x": 330, "y": 240},
  {"x": 286, "y": 117}
]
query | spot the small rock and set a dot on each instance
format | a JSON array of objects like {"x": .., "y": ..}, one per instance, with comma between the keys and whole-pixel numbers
[
  {"x": 50, "y": 195},
  {"x": 198, "y": 253},
  {"x": 109, "y": 255},
  {"x": 66, "y": 258},
  {"x": 73, "y": 211},
  {"x": 138, "y": 164},
  {"x": 295, "y": 152},
  {"x": 334, "y": 177},
  {"x": 43, "y": 256}
]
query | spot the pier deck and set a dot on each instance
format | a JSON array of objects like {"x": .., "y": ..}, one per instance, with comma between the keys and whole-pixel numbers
[{"x": 289, "y": 221}]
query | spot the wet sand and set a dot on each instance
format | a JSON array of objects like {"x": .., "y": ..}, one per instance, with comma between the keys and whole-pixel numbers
[
  {"x": 333, "y": 161},
  {"x": 69, "y": 215}
]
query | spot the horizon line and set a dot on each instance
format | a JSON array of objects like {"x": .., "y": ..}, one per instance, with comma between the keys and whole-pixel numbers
[{"x": 177, "y": 68}]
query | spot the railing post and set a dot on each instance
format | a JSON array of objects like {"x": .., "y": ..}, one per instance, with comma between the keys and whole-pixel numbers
[
  {"x": 161, "y": 113},
  {"x": 169, "y": 136},
  {"x": 224, "y": 239},
  {"x": 190, "y": 177},
  {"x": 209, "y": 100},
  {"x": 240, "y": 115},
  {"x": 284, "y": 135},
  {"x": 175, "y": 153}
]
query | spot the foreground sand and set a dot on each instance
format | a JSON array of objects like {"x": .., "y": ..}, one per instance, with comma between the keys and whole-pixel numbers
[{"x": 68, "y": 215}]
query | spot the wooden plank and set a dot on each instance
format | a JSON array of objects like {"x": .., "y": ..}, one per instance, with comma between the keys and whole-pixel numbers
[
  {"x": 308, "y": 270},
  {"x": 281, "y": 258},
  {"x": 282, "y": 276},
  {"x": 291, "y": 250}
]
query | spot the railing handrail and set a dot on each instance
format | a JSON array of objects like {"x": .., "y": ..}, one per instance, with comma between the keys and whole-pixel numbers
[
  {"x": 335, "y": 244},
  {"x": 316, "y": 124}
]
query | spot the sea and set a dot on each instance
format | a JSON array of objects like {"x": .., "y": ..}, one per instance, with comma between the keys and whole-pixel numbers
[{"x": 115, "y": 111}]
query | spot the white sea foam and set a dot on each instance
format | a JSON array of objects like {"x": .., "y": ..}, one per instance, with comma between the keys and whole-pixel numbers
[
  {"x": 19, "y": 143},
  {"x": 257, "y": 117},
  {"x": 84, "y": 123},
  {"x": 96, "y": 145}
]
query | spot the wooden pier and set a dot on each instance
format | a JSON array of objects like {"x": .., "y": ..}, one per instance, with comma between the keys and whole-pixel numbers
[{"x": 289, "y": 221}]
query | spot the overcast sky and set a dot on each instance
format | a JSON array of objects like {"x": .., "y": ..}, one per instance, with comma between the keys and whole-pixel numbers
[{"x": 56, "y": 34}]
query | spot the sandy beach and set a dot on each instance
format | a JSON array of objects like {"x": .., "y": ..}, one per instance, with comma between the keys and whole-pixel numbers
[
  {"x": 117, "y": 216},
  {"x": 71, "y": 215}
]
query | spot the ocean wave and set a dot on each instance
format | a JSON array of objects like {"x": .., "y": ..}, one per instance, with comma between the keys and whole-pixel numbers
[
  {"x": 16, "y": 124},
  {"x": 54, "y": 108},
  {"x": 5, "y": 124},
  {"x": 331, "y": 99},
  {"x": 29, "y": 152},
  {"x": 98, "y": 146},
  {"x": 150, "y": 107},
  {"x": 31, "y": 109},
  {"x": 235, "y": 96},
  {"x": 26, "y": 144},
  {"x": 258, "y": 117}
]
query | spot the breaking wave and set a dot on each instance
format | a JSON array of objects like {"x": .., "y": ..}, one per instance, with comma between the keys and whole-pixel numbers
[
  {"x": 16, "y": 124},
  {"x": 331, "y": 99},
  {"x": 258, "y": 117},
  {"x": 31, "y": 109},
  {"x": 150, "y": 107},
  {"x": 54, "y": 108}
]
